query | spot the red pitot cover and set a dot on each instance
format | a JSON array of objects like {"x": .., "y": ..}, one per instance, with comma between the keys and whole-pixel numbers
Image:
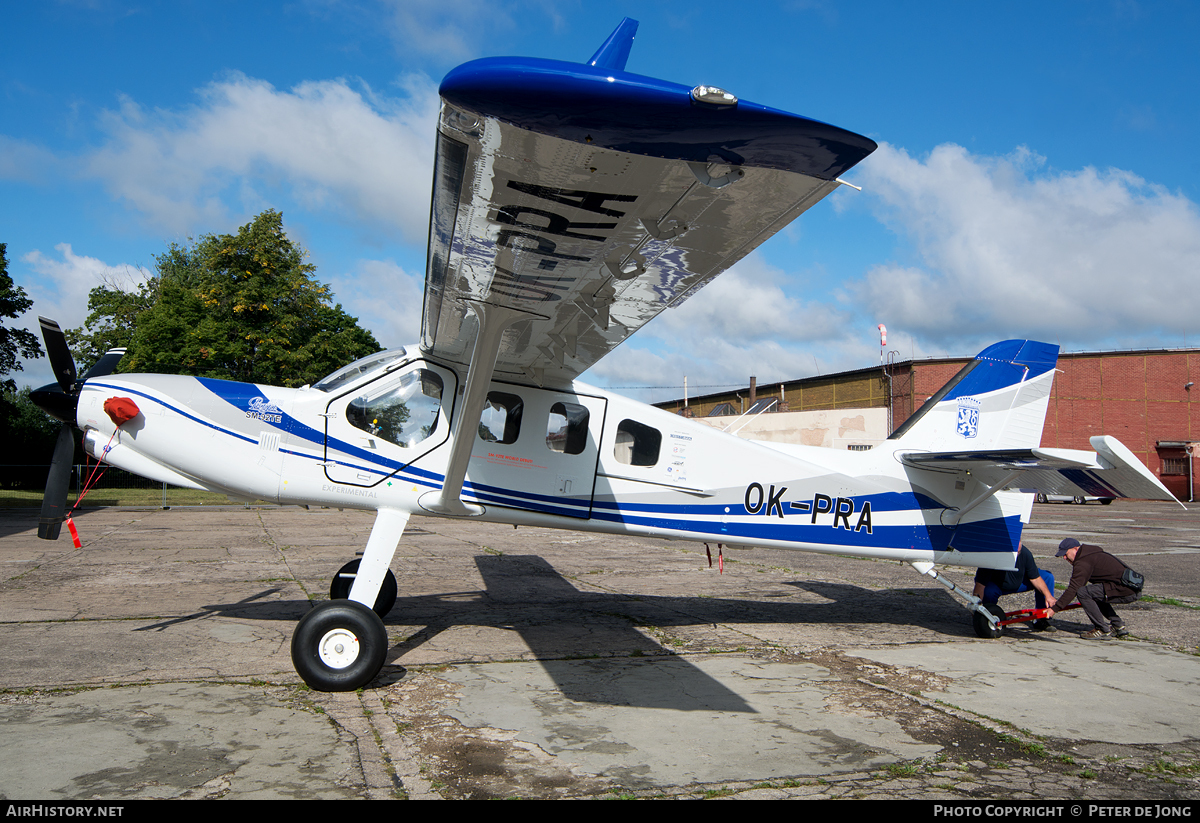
[{"x": 120, "y": 409}]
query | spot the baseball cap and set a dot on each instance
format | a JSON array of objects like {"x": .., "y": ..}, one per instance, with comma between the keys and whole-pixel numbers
[{"x": 1067, "y": 544}]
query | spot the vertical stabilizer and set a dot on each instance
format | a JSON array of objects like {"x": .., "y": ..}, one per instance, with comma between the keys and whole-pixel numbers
[{"x": 997, "y": 401}]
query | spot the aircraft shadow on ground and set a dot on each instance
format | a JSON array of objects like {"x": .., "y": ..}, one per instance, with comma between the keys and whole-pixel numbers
[{"x": 605, "y": 648}]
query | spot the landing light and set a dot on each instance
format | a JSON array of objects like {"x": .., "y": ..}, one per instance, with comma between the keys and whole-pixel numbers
[{"x": 713, "y": 96}]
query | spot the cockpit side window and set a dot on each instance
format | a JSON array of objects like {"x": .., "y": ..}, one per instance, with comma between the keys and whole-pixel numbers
[{"x": 403, "y": 412}]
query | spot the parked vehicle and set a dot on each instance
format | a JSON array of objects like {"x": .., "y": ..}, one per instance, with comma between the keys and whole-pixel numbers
[{"x": 1066, "y": 498}]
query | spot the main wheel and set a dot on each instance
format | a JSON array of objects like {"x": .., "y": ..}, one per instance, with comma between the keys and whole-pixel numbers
[
  {"x": 339, "y": 589},
  {"x": 339, "y": 646},
  {"x": 985, "y": 629},
  {"x": 1080, "y": 500},
  {"x": 1041, "y": 498}
]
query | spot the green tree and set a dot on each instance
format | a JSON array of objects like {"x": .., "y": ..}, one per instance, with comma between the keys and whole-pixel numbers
[
  {"x": 14, "y": 343},
  {"x": 30, "y": 435},
  {"x": 111, "y": 322},
  {"x": 240, "y": 307}
]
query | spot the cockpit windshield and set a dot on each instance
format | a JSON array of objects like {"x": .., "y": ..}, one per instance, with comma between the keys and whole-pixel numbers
[{"x": 348, "y": 374}]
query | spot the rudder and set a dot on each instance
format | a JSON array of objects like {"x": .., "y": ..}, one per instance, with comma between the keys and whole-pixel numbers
[{"x": 997, "y": 401}]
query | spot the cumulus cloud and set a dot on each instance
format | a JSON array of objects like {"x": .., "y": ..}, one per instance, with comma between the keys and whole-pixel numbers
[
  {"x": 748, "y": 321},
  {"x": 385, "y": 297},
  {"x": 331, "y": 146},
  {"x": 61, "y": 288},
  {"x": 1007, "y": 247},
  {"x": 446, "y": 28},
  {"x": 60, "y": 291},
  {"x": 453, "y": 30},
  {"x": 752, "y": 301},
  {"x": 25, "y": 161},
  {"x": 982, "y": 249}
]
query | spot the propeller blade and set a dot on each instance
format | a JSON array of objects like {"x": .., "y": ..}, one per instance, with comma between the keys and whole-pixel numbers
[
  {"x": 58, "y": 483},
  {"x": 59, "y": 353},
  {"x": 106, "y": 364},
  {"x": 55, "y": 402}
]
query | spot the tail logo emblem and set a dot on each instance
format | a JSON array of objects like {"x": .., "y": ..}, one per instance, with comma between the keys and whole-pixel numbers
[{"x": 968, "y": 417}]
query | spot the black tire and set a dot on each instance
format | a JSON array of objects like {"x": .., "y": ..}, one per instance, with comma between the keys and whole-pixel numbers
[
  {"x": 1080, "y": 500},
  {"x": 1106, "y": 501},
  {"x": 1041, "y": 498},
  {"x": 339, "y": 588},
  {"x": 982, "y": 627},
  {"x": 339, "y": 646}
]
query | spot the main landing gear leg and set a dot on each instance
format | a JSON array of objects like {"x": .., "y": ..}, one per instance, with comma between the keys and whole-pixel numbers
[
  {"x": 986, "y": 619},
  {"x": 340, "y": 645}
]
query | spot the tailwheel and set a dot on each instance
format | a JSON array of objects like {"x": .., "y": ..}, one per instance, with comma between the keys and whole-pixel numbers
[
  {"x": 339, "y": 589},
  {"x": 339, "y": 646},
  {"x": 985, "y": 629}
]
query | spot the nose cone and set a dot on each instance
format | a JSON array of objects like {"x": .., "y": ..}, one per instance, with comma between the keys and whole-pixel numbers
[{"x": 55, "y": 402}]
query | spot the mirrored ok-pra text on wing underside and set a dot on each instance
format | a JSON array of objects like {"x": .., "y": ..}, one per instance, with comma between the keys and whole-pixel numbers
[{"x": 590, "y": 199}]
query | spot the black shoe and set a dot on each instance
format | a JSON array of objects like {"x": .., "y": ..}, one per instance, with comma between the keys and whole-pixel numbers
[
  {"x": 1120, "y": 631},
  {"x": 1043, "y": 625}
]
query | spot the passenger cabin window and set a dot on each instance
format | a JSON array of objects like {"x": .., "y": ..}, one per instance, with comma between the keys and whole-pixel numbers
[
  {"x": 567, "y": 428},
  {"x": 404, "y": 413},
  {"x": 501, "y": 419},
  {"x": 637, "y": 445}
]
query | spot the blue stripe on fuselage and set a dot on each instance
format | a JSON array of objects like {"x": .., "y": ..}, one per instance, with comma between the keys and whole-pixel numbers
[{"x": 997, "y": 533}]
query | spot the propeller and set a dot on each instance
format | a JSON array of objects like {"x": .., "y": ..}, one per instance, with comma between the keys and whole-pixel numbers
[{"x": 59, "y": 400}]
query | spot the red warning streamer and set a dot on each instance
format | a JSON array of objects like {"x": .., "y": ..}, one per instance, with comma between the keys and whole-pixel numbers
[{"x": 120, "y": 410}]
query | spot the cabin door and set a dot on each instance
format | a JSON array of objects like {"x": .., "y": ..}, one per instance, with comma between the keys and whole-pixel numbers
[
  {"x": 537, "y": 450},
  {"x": 378, "y": 429}
]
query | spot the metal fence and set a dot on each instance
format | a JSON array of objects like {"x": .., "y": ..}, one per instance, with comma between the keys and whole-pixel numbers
[{"x": 24, "y": 484}]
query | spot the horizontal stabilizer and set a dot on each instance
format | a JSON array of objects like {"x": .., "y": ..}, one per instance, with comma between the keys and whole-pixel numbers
[{"x": 1110, "y": 471}]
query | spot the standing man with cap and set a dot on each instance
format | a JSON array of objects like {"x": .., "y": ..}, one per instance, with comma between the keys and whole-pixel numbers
[{"x": 1099, "y": 579}]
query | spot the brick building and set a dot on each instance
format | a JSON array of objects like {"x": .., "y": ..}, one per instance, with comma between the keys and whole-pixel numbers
[{"x": 1146, "y": 399}]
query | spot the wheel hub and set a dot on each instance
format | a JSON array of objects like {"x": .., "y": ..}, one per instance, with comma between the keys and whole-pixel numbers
[{"x": 338, "y": 648}]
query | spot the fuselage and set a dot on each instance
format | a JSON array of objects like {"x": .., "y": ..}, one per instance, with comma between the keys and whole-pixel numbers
[{"x": 572, "y": 457}]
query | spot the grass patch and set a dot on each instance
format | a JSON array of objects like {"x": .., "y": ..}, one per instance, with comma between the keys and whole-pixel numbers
[
  {"x": 1163, "y": 766},
  {"x": 1170, "y": 601},
  {"x": 14, "y": 499},
  {"x": 911, "y": 769}
]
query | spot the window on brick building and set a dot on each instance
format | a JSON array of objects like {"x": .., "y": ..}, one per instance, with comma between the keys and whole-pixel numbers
[{"x": 1174, "y": 465}]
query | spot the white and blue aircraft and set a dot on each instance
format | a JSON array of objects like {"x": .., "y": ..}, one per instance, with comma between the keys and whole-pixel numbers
[{"x": 572, "y": 204}]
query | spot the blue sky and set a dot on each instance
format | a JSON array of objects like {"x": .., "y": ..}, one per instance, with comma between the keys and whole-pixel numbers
[{"x": 1037, "y": 175}]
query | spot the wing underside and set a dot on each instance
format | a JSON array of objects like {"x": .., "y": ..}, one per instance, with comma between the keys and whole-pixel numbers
[{"x": 590, "y": 231}]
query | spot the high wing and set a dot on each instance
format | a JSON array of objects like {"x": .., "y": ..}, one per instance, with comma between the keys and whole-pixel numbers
[{"x": 577, "y": 201}]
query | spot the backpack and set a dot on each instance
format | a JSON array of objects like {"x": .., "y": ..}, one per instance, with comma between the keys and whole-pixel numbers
[{"x": 1132, "y": 580}]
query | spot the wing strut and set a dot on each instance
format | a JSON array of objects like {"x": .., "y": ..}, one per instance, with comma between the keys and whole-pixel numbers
[{"x": 493, "y": 320}]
